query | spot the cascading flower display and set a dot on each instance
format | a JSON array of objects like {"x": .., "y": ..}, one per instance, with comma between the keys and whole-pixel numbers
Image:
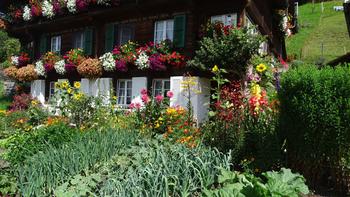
[
  {"x": 27, "y": 14},
  {"x": 72, "y": 6},
  {"x": 39, "y": 68},
  {"x": 108, "y": 62},
  {"x": 49, "y": 60},
  {"x": 156, "y": 63},
  {"x": 59, "y": 67},
  {"x": 90, "y": 68},
  {"x": 142, "y": 61},
  {"x": 26, "y": 74},
  {"x": 48, "y": 10}
]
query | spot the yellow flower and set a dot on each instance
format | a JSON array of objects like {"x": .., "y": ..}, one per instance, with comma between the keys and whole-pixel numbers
[
  {"x": 215, "y": 69},
  {"x": 77, "y": 85},
  {"x": 65, "y": 84},
  {"x": 261, "y": 68},
  {"x": 77, "y": 96},
  {"x": 115, "y": 98},
  {"x": 57, "y": 85},
  {"x": 256, "y": 90},
  {"x": 34, "y": 102},
  {"x": 69, "y": 90}
]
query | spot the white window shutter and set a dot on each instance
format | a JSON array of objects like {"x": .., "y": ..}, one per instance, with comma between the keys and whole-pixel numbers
[
  {"x": 85, "y": 86},
  {"x": 104, "y": 89},
  {"x": 200, "y": 102},
  {"x": 138, "y": 83},
  {"x": 37, "y": 90}
]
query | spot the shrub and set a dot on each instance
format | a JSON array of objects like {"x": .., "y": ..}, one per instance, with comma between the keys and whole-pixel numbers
[
  {"x": 229, "y": 47},
  {"x": 43, "y": 172},
  {"x": 315, "y": 117},
  {"x": 21, "y": 102}
]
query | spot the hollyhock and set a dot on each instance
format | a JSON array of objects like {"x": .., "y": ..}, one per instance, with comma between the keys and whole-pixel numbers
[
  {"x": 170, "y": 94},
  {"x": 121, "y": 65},
  {"x": 145, "y": 98},
  {"x": 159, "y": 98},
  {"x": 136, "y": 103},
  {"x": 144, "y": 91}
]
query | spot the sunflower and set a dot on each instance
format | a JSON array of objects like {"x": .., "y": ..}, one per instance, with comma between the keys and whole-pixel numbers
[
  {"x": 77, "y": 85},
  {"x": 261, "y": 68}
]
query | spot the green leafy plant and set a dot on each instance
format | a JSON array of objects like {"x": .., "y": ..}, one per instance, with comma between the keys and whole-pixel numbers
[
  {"x": 231, "y": 48},
  {"x": 277, "y": 184}
]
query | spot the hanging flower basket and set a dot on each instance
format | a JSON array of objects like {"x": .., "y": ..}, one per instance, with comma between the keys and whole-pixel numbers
[
  {"x": 90, "y": 68},
  {"x": 26, "y": 74},
  {"x": 10, "y": 72}
]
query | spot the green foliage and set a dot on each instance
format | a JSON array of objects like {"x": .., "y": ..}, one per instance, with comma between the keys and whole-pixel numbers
[
  {"x": 4, "y": 100},
  {"x": 315, "y": 117},
  {"x": 8, "y": 185},
  {"x": 79, "y": 186},
  {"x": 43, "y": 172},
  {"x": 231, "y": 50},
  {"x": 152, "y": 168},
  {"x": 9, "y": 46},
  {"x": 25, "y": 144},
  {"x": 277, "y": 184}
]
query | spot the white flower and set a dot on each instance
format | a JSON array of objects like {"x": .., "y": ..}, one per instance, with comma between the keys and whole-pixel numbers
[
  {"x": 48, "y": 9},
  {"x": 108, "y": 62},
  {"x": 39, "y": 68},
  {"x": 104, "y": 2},
  {"x": 27, "y": 15},
  {"x": 59, "y": 67},
  {"x": 71, "y": 5},
  {"x": 14, "y": 60},
  {"x": 142, "y": 61}
]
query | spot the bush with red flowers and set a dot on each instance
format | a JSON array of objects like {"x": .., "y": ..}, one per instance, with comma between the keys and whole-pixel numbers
[{"x": 21, "y": 102}]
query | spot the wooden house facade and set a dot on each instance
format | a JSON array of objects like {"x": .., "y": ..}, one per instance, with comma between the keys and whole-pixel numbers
[{"x": 98, "y": 30}]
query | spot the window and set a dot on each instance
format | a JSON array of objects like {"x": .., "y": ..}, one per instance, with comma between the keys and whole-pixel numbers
[
  {"x": 227, "y": 19},
  {"x": 124, "y": 91},
  {"x": 161, "y": 87},
  {"x": 52, "y": 89},
  {"x": 78, "y": 41},
  {"x": 164, "y": 30},
  {"x": 249, "y": 23},
  {"x": 125, "y": 33},
  {"x": 56, "y": 44}
]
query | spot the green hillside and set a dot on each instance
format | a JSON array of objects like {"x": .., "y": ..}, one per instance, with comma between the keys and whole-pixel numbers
[{"x": 319, "y": 30}]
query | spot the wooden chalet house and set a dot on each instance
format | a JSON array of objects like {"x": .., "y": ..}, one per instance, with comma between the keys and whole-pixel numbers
[{"x": 98, "y": 29}]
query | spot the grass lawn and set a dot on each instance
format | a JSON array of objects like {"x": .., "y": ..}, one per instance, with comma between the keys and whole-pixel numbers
[
  {"x": 319, "y": 28},
  {"x": 4, "y": 101}
]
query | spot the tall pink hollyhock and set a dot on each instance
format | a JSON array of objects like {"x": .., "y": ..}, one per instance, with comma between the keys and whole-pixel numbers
[
  {"x": 145, "y": 98},
  {"x": 159, "y": 98},
  {"x": 170, "y": 94},
  {"x": 144, "y": 91}
]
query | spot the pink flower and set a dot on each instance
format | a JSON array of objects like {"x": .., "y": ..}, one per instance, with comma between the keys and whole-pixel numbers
[
  {"x": 138, "y": 105},
  {"x": 145, "y": 98},
  {"x": 132, "y": 106},
  {"x": 159, "y": 98},
  {"x": 170, "y": 94},
  {"x": 144, "y": 91}
]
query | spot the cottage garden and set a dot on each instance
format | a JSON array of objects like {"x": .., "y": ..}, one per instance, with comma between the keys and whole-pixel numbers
[{"x": 261, "y": 122}]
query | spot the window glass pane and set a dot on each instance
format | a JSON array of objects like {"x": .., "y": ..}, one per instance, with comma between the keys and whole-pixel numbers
[
  {"x": 170, "y": 30},
  {"x": 159, "y": 31},
  {"x": 129, "y": 84}
]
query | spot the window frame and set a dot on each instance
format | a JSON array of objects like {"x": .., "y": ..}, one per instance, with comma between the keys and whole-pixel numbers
[
  {"x": 224, "y": 19},
  {"x": 52, "y": 87},
  {"x": 164, "y": 30},
  {"x": 125, "y": 90},
  {"x": 163, "y": 81},
  {"x": 56, "y": 44}
]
